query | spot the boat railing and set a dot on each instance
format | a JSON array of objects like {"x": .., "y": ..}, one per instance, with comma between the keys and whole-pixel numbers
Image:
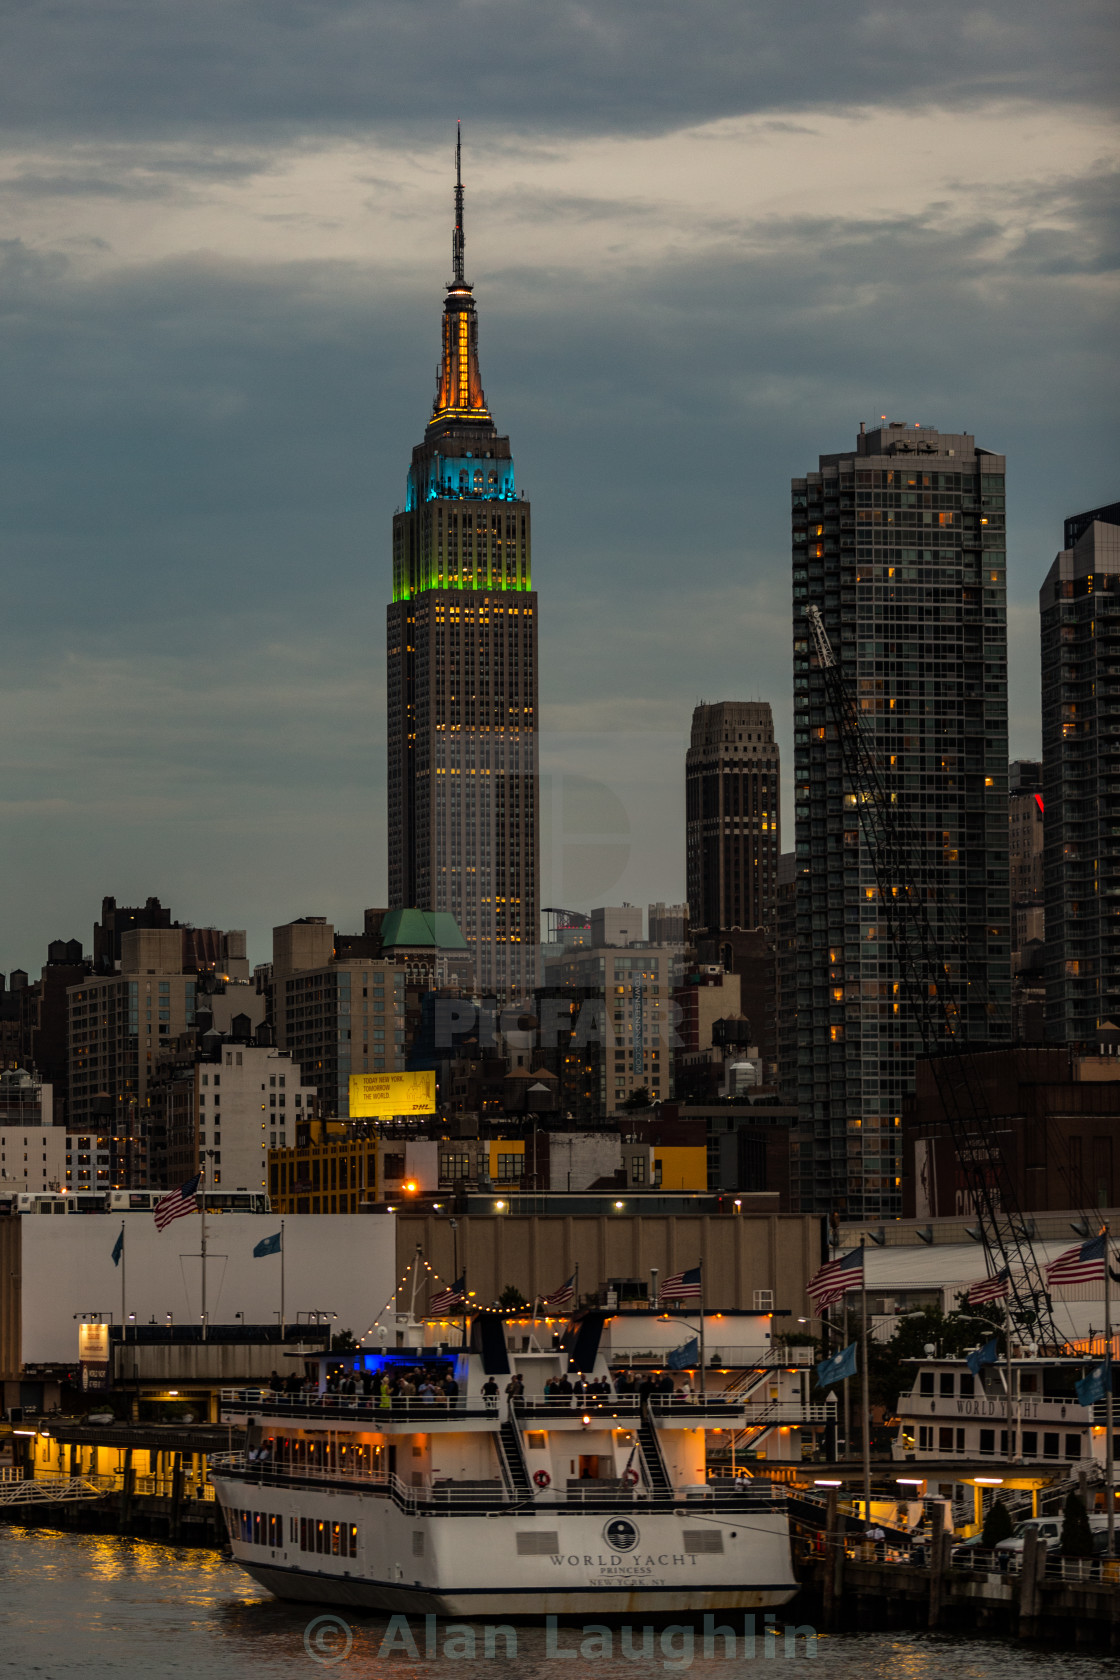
[
  {"x": 665, "y": 1406},
  {"x": 271, "y": 1404},
  {"x": 568, "y": 1405},
  {"x": 487, "y": 1493}
]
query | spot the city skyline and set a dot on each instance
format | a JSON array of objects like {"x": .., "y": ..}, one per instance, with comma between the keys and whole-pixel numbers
[{"x": 215, "y": 328}]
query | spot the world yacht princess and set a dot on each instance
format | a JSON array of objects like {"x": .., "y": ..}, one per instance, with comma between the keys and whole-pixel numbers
[{"x": 479, "y": 1494}]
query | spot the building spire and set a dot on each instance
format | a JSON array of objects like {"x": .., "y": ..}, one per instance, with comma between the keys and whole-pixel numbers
[
  {"x": 459, "y": 394},
  {"x": 458, "y": 241}
]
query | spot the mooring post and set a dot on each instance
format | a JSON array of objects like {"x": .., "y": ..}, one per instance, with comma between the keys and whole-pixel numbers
[
  {"x": 128, "y": 1483},
  {"x": 833, "y": 1562},
  {"x": 1033, "y": 1563},
  {"x": 936, "y": 1565},
  {"x": 176, "y": 1496}
]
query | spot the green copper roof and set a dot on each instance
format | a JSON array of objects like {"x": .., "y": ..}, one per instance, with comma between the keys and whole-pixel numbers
[{"x": 422, "y": 927}]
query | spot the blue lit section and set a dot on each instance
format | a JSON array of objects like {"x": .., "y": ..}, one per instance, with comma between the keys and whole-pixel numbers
[{"x": 473, "y": 478}]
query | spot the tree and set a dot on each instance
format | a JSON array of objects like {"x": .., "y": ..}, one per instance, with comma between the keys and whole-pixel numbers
[
  {"x": 997, "y": 1525},
  {"x": 511, "y": 1296},
  {"x": 892, "y": 1374},
  {"x": 1077, "y": 1536},
  {"x": 343, "y": 1342},
  {"x": 638, "y": 1098}
]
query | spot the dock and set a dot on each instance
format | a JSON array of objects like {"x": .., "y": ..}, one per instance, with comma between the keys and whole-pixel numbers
[{"x": 854, "y": 1585}]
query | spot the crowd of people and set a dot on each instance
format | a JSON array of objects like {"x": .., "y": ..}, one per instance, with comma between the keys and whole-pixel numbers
[
  {"x": 431, "y": 1384},
  {"x": 436, "y": 1385}
]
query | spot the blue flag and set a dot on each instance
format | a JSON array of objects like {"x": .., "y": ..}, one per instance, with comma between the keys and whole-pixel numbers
[
  {"x": 685, "y": 1358},
  {"x": 1096, "y": 1385},
  {"x": 118, "y": 1247},
  {"x": 987, "y": 1355},
  {"x": 834, "y": 1370},
  {"x": 267, "y": 1245}
]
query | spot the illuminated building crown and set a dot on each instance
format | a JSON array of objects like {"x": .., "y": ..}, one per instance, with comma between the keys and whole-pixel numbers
[{"x": 462, "y": 456}]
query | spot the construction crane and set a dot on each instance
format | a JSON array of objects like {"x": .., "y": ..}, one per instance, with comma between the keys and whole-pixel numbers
[{"x": 905, "y": 891}]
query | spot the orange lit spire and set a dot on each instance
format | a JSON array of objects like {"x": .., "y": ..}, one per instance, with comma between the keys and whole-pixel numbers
[{"x": 459, "y": 394}]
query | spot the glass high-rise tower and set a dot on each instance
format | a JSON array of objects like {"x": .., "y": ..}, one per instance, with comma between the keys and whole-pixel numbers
[
  {"x": 732, "y": 818},
  {"x": 901, "y": 543},
  {"x": 1080, "y": 610},
  {"x": 462, "y": 672}
]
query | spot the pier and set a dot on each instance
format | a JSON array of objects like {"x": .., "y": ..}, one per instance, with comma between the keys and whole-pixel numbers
[
  {"x": 854, "y": 1585},
  {"x": 147, "y": 1480}
]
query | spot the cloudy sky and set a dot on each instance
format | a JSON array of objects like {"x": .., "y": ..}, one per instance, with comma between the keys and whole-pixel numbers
[{"x": 707, "y": 239}]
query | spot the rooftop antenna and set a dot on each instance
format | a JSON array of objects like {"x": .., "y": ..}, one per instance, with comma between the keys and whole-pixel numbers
[{"x": 458, "y": 242}]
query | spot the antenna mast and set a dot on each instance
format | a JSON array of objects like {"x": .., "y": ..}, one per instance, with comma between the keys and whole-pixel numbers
[{"x": 458, "y": 241}]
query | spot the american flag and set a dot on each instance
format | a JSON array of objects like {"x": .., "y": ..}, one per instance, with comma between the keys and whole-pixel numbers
[
  {"x": 1083, "y": 1264},
  {"x": 988, "y": 1289},
  {"x": 834, "y": 1280},
  {"x": 685, "y": 1286},
  {"x": 177, "y": 1202},
  {"x": 447, "y": 1298},
  {"x": 564, "y": 1296}
]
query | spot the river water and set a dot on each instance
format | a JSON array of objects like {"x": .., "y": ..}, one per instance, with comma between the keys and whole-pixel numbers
[{"x": 115, "y": 1609}]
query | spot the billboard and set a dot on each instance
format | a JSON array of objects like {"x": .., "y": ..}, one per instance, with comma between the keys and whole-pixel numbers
[
  {"x": 93, "y": 1355},
  {"x": 381, "y": 1095}
]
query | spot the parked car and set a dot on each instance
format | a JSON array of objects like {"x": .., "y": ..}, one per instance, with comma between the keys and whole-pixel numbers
[{"x": 1049, "y": 1530}]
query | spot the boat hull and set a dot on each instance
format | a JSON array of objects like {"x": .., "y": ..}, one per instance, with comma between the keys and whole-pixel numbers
[
  {"x": 392, "y": 1598},
  {"x": 356, "y": 1547}
]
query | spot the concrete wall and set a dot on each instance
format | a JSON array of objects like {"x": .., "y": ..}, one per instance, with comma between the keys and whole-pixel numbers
[
  {"x": 537, "y": 1252},
  {"x": 51, "y": 1269},
  {"x": 32, "y": 1158}
]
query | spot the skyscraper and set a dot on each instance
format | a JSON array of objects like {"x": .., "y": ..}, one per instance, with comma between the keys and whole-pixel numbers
[
  {"x": 1080, "y": 607},
  {"x": 462, "y": 672},
  {"x": 732, "y": 823},
  {"x": 1024, "y": 835},
  {"x": 901, "y": 543}
]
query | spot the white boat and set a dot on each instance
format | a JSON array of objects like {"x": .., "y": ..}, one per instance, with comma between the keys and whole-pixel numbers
[{"x": 487, "y": 1504}]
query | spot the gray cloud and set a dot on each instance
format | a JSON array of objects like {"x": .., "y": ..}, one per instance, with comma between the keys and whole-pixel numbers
[
  {"x": 199, "y": 456},
  {"x": 271, "y": 66},
  {"x": 199, "y": 459}
]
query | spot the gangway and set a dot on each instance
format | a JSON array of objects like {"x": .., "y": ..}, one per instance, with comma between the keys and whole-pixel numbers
[{"x": 48, "y": 1490}]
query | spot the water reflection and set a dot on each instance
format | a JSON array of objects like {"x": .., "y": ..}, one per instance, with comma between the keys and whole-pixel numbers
[{"x": 115, "y": 1609}]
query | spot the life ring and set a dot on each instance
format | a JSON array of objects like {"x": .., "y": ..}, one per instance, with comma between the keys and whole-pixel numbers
[
  {"x": 542, "y": 1478},
  {"x": 630, "y": 1477}
]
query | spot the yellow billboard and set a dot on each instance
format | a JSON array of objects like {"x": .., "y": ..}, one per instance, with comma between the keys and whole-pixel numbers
[{"x": 380, "y": 1095}]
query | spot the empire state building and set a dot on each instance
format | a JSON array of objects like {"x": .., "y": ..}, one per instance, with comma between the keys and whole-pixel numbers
[{"x": 462, "y": 672}]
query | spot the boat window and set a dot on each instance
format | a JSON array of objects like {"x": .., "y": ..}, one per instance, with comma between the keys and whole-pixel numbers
[{"x": 925, "y": 1383}]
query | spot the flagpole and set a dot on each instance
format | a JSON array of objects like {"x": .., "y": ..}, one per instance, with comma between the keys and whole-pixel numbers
[
  {"x": 847, "y": 1396},
  {"x": 124, "y": 1268},
  {"x": 703, "y": 1375},
  {"x": 202, "y": 1210},
  {"x": 866, "y": 1387},
  {"x": 282, "y": 1320},
  {"x": 1007, "y": 1361},
  {"x": 1110, "y": 1498},
  {"x": 415, "y": 1281}
]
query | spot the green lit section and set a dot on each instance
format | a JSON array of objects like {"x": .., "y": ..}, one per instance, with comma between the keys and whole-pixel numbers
[{"x": 456, "y": 545}]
